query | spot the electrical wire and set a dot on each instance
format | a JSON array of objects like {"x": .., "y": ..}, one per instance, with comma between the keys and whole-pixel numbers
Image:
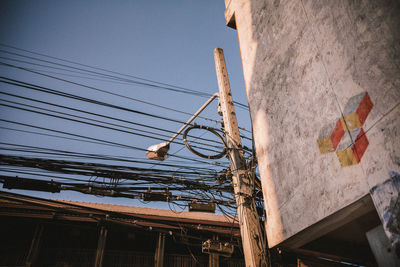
[
  {"x": 185, "y": 90},
  {"x": 186, "y": 178},
  {"x": 100, "y": 115},
  {"x": 72, "y": 96}
]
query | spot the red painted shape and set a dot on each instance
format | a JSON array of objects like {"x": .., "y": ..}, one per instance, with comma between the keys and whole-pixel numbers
[
  {"x": 364, "y": 108},
  {"x": 360, "y": 145},
  {"x": 337, "y": 134}
]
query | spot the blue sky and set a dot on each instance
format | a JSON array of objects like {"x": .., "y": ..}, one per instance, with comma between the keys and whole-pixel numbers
[{"x": 166, "y": 41}]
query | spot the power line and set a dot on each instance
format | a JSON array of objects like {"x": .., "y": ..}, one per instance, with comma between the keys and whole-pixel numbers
[
  {"x": 197, "y": 181},
  {"x": 72, "y": 96},
  {"x": 190, "y": 91},
  {"x": 96, "y": 156},
  {"x": 92, "y": 124},
  {"x": 105, "y": 70},
  {"x": 96, "y": 114},
  {"x": 154, "y": 85},
  {"x": 114, "y": 171},
  {"x": 104, "y": 91},
  {"x": 104, "y": 142},
  {"x": 76, "y": 97}
]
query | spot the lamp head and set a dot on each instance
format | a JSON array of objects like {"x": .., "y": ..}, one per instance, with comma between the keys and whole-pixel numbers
[{"x": 158, "y": 152}]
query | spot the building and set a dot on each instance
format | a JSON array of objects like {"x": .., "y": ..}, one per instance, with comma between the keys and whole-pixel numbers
[
  {"x": 323, "y": 86},
  {"x": 42, "y": 232}
]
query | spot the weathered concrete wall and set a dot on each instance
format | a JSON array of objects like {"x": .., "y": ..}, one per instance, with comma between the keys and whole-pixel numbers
[{"x": 323, "y": 85}]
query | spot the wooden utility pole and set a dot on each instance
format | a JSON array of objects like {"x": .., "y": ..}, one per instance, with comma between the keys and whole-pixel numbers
[{"x": 250, "y": 230}]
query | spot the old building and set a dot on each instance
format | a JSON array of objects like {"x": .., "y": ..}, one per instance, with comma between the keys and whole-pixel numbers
[
  {"x": 323, "y": 86},
  {"x": 42, "y": 232}
]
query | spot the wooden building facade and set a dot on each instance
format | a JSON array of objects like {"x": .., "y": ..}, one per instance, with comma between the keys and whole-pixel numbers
[{"x": 40, "y": 232}]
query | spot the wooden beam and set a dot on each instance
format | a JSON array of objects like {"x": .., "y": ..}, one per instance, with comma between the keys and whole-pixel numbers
[
  {"x": 100, "y": 247},
  {"x": 34, "y": 247},
  {"x": 213, "y": 260},
  {"x": 159, "y": 254}
]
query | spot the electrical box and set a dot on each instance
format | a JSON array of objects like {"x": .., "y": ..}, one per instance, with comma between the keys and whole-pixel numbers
[
  {"x": 157, "y": 196},
  {"x": 203, "y": 207},
  {"x": 31, "y": 184},
  {"x": 217, "y": 247}
]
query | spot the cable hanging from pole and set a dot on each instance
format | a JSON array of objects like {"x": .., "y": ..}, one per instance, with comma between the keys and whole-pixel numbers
[{"x": 211, "y": 130}]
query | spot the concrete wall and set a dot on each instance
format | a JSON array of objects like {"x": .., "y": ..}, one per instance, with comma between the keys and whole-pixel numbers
[{"x": 323, "y": 85}]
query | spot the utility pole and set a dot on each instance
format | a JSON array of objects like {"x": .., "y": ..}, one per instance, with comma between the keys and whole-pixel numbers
[{"x": 250, "y": 230}]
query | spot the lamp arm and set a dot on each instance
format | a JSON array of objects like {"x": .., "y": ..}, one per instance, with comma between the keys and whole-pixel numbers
[{"x": 193, "y": 117}]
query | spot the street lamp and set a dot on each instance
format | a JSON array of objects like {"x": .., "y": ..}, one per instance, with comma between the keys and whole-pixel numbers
[{"x": 160, "y": 151}]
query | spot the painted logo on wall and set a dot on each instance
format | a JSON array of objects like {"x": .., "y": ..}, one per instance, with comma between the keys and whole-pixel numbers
[{"x": 346, "y": 136}]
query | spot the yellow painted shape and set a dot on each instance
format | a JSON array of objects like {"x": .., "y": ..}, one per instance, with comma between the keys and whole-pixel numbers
[
  {"x": 325, "y": 145},
  {"x": 352, "y": 122},
  {"x": 346, "y": 157}
]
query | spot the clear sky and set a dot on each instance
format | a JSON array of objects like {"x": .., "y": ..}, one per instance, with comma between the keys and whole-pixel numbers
[{"x": 166, "y": 41}]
